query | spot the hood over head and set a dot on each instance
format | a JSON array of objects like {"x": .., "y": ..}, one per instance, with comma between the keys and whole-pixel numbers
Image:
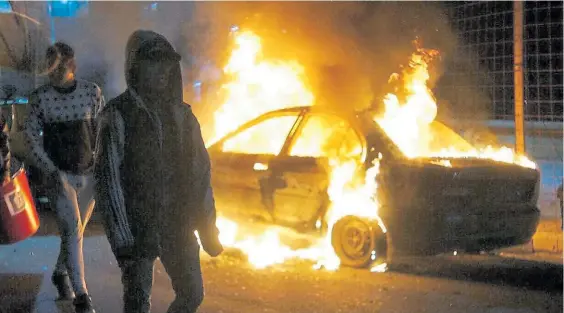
[{"x": 147, "y": 44}]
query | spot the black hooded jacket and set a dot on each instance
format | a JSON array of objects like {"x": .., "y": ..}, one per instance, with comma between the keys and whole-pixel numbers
[{"x": 152, "y": 168}]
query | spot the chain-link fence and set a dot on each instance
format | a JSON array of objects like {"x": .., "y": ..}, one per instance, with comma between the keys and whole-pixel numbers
[{"x": 485, "y": 32}]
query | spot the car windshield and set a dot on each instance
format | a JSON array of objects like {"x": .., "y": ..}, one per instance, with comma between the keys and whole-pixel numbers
[
  {"x": 441, "y": 136},
  {"x": 429, "y": 143}
]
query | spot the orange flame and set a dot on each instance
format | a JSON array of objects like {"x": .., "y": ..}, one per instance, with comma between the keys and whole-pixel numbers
[
  {"x": 258, "y": 86},
  {"x": 412, "y": 125},
  {"x": 267, "y": 249}
]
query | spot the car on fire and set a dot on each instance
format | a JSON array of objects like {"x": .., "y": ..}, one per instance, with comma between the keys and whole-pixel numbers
[{"x": 275, "y": 166}]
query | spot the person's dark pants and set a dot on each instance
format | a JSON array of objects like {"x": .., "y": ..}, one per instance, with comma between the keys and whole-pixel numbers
[{"x": 181, "y": 260}]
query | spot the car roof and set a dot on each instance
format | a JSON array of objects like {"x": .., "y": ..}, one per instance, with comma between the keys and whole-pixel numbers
[{"x": 359, "y": 119}]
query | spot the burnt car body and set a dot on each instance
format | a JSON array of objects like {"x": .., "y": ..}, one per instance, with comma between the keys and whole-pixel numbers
[{"x": 428, "y": 208}]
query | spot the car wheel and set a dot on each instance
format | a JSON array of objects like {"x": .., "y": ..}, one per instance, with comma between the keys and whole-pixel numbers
[{"x": 359, "y": 242}]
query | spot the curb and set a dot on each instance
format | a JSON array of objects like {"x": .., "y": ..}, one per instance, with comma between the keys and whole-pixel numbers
[
  {"x": 548, "y": 238},
  {"x": 547, "y": 242}
]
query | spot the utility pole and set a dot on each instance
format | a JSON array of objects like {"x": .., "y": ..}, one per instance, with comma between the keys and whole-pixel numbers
[{"x": 518, "y": 76}]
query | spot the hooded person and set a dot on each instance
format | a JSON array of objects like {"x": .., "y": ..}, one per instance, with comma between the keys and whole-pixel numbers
[{"x": 153, "y": 178}]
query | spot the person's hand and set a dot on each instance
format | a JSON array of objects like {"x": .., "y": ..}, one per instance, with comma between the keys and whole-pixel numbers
[{"x": 210, "y": 242}]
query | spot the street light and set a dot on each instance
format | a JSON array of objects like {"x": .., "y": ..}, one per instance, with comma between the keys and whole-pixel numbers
[
  {"x": 63, "y": 8},
  {"x": 5, "y": 7}
]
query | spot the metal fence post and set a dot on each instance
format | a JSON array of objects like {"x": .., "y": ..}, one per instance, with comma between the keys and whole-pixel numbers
[{"x": 518, "y": 76}]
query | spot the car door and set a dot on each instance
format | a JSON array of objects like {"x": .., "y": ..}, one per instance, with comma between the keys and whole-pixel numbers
[
  {"x": 240, "y": 161},
  {"x": 303, "y": 168}
]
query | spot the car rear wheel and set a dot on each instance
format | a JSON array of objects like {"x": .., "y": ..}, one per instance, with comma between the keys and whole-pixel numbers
[{"x": 359, "y": 242}]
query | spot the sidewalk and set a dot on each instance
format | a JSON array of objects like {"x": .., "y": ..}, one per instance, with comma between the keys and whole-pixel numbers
[
  {"x": 25, "y": 269},
  {"x": 547, "y": 239}
]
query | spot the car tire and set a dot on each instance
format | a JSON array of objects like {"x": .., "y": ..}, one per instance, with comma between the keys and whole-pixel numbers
[{"x": 359, "y": 242}]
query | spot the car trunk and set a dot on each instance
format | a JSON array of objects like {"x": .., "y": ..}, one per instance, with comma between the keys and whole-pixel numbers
[
  {"x": 478, "y": 183},
  {"x": 460, "y": 203}
]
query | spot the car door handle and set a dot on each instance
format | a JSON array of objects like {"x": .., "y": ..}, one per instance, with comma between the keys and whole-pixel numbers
[{"x": 260, "y": 167}]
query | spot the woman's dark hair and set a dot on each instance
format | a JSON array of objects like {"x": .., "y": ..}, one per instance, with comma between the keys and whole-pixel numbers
[{"x": 58, "y": 53}]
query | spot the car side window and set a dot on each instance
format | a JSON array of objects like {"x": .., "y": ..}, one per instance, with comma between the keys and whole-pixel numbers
[
  {"x": 327, "y": 136},
  {"x": 266, "y": 137}
]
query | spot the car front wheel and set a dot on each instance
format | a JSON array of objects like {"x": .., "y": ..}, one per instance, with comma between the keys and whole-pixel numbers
[{"x": 359, "y": 242}]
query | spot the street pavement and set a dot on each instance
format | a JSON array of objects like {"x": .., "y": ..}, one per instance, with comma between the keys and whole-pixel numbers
[{"x": 502, "y": 283}]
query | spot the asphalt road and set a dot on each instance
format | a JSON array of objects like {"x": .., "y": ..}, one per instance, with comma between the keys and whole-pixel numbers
[{"x": 481, "y": 284}]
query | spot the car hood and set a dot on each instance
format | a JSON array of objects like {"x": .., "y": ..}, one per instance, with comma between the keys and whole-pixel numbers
[
  {"x": 471, "y": 163},
  {"x": 432, "y": 170}
]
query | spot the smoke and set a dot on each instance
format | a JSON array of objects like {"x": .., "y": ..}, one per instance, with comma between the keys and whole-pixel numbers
[
  {"x": 99, "y": 36},
  {"x": 349, "y": 49}
]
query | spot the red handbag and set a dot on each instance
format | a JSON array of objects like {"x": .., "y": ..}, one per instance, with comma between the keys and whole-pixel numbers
[{"x": 18, "y": 215}]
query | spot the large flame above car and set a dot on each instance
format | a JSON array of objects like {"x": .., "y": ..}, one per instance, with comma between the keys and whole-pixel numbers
[
  {"x": 411, "y": 123},
  {"x": 258, "y": 85}
]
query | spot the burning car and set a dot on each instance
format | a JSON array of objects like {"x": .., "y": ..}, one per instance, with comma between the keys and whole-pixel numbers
[
  {"x": 371, "y": 184},
  {"x": 278, "y": 166}
]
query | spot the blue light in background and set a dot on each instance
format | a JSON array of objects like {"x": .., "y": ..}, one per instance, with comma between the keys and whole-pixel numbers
[
  {"x": 5, "y": 7},
  {"x": 154, "y": 6},
  {"x": 16, "y": 101},
  {"x": 66, "y": 8}
]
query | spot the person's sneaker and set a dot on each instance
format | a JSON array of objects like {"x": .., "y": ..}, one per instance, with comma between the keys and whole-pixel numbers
[
  {"x": 63, "y": 285},
  {"x": 83, "y": 304}
]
